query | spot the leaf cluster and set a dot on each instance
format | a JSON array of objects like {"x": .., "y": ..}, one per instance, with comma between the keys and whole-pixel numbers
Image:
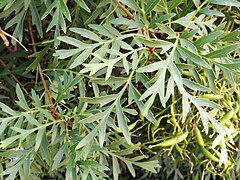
[{"x": 146, "y": 87}]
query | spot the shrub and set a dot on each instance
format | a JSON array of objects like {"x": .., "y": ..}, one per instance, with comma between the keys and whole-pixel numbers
[{"x": 112, "y": 87}]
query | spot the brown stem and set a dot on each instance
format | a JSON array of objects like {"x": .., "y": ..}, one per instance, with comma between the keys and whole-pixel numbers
[
  {"x": 16, "y": 80},
  {"x": 130, "y": 15},
  {"x": 53, "y": 109},
  {"x": 45, "y": 86},
  {"x": 4, "y": 38}
]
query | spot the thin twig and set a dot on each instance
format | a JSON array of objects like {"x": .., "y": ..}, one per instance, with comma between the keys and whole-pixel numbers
[
  {"x": 4, "y": 38},
  {"x": 15, "y": 79},
  {"x": 53, "y": 109},
  {"x": 130, "y": 15},
  {"x": 6, "y": 42}
]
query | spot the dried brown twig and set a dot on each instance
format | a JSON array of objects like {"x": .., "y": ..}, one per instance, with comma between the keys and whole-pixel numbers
[{"x": 3, "y": 35}]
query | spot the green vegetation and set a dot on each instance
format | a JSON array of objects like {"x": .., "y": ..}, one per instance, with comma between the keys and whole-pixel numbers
[{"x": 119, "y": 89}]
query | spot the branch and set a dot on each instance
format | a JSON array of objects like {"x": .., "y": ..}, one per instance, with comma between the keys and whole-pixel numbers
[
  {"x": 130, "y": 15},
  {"x": 16, "y": 80},
  {"x": 52, "y": 108},
  {"x": 4, "y": 38}
]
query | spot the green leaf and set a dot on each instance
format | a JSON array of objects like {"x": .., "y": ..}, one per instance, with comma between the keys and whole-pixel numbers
[
  {"x": 18, "y": 20},
  {"x": 83, "y": 5},
  {"x": 36, "y": 18},
  {"x": 70, "y": 82},
  {"x": 102, "y": 100},
  {"x": 130, "y": 111},
  {"x": 207, "y": 103},
  {"x": 86, "y": 33},
  {"x": 186, "y": 107},
  {"x": 65, "y": 10},
  {"x": 226, "y": 68},
  {"x": 134, "y": 94},
  {"x": 131, "y": 4},
  {"x": 211, "y": 79},
  {"x": 165, "y": 45},
  {"x": 87, "y": 139},
  {"x": 148, "y": 105},
  {"x": 116, "y": 168},
  {"x": 195, "y": 58},
  {"x": 188, "y": 45},
  {"x": 124, "y": 45},
  {"x": 167, "y": 30},
  {"x": 23, "y": 132},
  {"x": 5, "y": 123},
  {"x": 184, "y": 21},
  {"x": 26, "y": 166},
  {"x": 152, "y": 90},
  {"x": 231, "y": 36},
  {"x": 101, "y": 29},
  {"x": 55, "y": 20},
  {"x": 196, "y": 3},
  {"x": 122, "y": 122},
  {"x": 31, "y": 119},
  {"x": 176, "y": 76},
  {"x": 174, "y": 4},
  {"x": 160, "y": 19},
  {"x": 208, "y": 38},
  {"x": 39, "y": 137},
  {"x": 92, "y": 118},
  {"x": 8, "y": 141},
  {"x": 148, "y": 165},
  {"x": 102, "y": 131},
  {"x": 12, "y": 171},
  {"x": 222, "y": 52},
  {"x": 72, "y": 41},
  {"x": 113, "y": 82},
  {"x": 22, "y": 101},
  {"x": 44, "y": 150},
  {"x": 63, "y": 54},
  {"x": 187, "y": 34},
  {"x": 150, "y": 5},
  {"x": 7, "y": 109},
  {"x": 208, "y": 11},
  {"x": 195, "y": 86},
  {"x": 14, "y": 153},
  {"x": 130, "y": 168},
  {"x": 35, "y": 98},
  {"x": 38, "y": 58},
  {"x": 126, "y": 65},
  {"x": 232, "y": 65},
  {"x": 81, "y": 58},
  {"x": 49, "y": 9},
  {"x": 153, "y": 67},
  {"x": 225, "y": 3},
  {"x": 127, "y": 22},
  {"x": 58, "y": 157}
]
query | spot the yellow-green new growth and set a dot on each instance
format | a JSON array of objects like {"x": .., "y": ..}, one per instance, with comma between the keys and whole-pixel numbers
[{"x": 172, "y": 141}]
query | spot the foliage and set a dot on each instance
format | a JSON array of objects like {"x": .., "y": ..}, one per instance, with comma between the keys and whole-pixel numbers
[{"x": 111, "y": 87}]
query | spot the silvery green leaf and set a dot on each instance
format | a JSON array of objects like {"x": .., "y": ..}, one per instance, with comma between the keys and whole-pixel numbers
[
  {"x": 102, "y": 100},
  {"x": 226, "y": 3},
  {"x": 196, "y": 3},
  {"x": 122, "y": 122},
  {"x": 72, "y": 41},
  {"x": 153, "y": 67},
  {"x": 195, "y": 86},
  {"x": 87, "y": 34}
]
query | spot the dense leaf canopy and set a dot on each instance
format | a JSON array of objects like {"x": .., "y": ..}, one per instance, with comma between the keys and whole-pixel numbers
[{"x": 116, "y": 89}]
